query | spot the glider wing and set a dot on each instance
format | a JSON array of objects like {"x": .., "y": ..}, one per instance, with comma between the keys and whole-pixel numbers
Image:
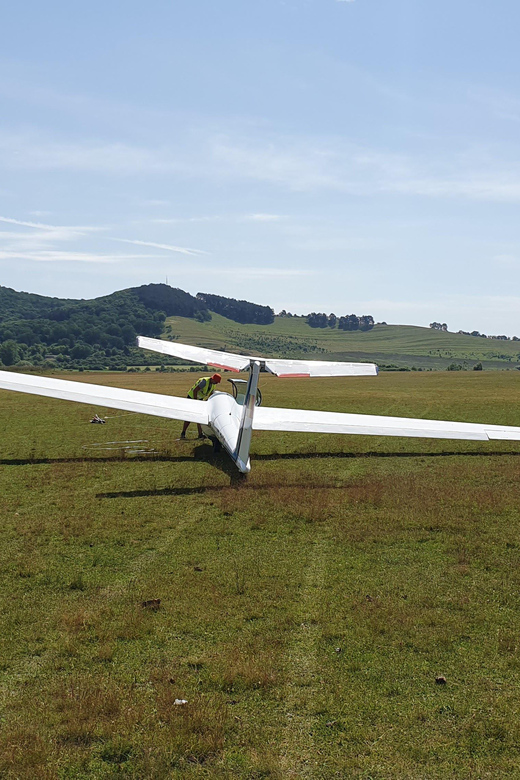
[
  {"x": 231, "y": 362},
  {"x": 168, "y": 406},
  {"x": 271, "y": 419},
  {"x": 208, "y": 357},
  {"x": 293, "y": 368}
]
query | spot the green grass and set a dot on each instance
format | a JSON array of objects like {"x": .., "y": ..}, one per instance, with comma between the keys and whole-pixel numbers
[
  {"x": 401, "y": 345},
  {"x": 305, "y": 611}
]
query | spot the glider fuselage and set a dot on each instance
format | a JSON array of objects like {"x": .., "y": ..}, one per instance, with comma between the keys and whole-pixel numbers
[
  {"x": 232, "y": 423},
  {"x": 225, "y": 416}
]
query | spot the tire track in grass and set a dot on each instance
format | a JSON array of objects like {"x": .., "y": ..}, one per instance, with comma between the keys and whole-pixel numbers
[{"x": 298, "y": 754}]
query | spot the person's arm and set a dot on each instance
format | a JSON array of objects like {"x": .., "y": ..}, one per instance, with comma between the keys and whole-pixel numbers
[{"x": 196, "y": 391}]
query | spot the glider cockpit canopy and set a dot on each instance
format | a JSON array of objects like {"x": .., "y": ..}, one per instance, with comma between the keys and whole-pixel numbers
[{"x": 240, "y": 389}]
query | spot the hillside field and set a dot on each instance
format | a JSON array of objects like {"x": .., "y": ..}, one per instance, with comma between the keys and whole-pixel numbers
[
  {"x": 305, "y": 611},
  {"x": 398, "y": 345}
]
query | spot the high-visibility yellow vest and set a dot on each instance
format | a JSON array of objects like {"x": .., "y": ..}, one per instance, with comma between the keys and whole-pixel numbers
[{"x": 203, "y": 392}]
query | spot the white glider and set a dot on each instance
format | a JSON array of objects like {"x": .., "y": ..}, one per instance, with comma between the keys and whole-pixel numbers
[{"x": 231, "y": 420}]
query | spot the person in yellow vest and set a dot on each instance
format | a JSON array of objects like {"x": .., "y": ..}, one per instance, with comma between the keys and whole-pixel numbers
[{"x": 201, "y": 391}]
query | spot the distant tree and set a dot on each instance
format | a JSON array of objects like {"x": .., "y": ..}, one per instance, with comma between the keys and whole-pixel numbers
[
  {"x": 9, "y": 353},
  {"x": 80, "y": 351},
  {"x": 317, "y": 320},
  {"x": 332, "y": 321},
  {"x": 352, "y": 322},
  {"x": 366, "y": 322},
  {"x": 128, "y": 334},
  {"x": 348, "y": 322}
]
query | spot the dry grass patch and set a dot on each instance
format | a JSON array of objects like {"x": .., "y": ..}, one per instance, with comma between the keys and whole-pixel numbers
[
  {"x": 25, "y": 753},
  {"x": 196, "y": 730},
  {"x": 240, "y": 670}
]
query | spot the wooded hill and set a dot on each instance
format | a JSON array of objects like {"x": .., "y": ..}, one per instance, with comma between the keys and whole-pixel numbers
[{"x": 93, "y": 334}]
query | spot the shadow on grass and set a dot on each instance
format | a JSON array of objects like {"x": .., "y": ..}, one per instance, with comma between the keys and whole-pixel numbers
[
  {"x": 174, "y": 491},
  {"x": 239, "y": 481},
  {"x": 340, "y": 455},
  {"x": 222, "y": 461},
  {"x": 201, "y": 454}
]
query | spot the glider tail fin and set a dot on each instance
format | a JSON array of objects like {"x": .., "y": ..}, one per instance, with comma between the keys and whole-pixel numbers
[{"x": 246, "y": 425}]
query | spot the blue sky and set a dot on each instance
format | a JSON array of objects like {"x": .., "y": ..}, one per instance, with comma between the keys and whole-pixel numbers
[{"x": 329, "y": 155}]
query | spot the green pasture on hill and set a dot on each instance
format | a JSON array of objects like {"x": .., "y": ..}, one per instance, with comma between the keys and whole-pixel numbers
[
  {"x": 305, "y": 611},
  {"x": 400, "y": 345}
]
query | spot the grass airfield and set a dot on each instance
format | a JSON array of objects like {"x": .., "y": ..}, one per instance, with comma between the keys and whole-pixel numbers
[{"x": 305, "y": 610}]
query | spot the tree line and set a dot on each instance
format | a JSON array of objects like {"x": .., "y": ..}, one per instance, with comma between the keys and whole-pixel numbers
[
  {"x": 243, "y": 312},
  {"x": 347, "y": 322},
  {"x": 444, "y": 327}
]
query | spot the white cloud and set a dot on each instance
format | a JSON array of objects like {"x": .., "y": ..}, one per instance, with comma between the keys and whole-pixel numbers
[
  {"x": 168, "y": 247},
  {"x": 337, "y": 164},
  {"x": 38, "y": 240},
  {"x": 291, "y": 163},
  {"x": 155, "y": 202},
  {"x": 55, "y": 256},
  {"x": 41, "y": 234},
  {"x": 38, "y": 243},
  {"x": 220, "y": 218},
  {"x": 499, "y": 103},
  {"x": 31, "y": 152},
  {"x": 185, "y": 220},
  {"x": 42, "y": 226},
  {"x": 500, "y": 187},
  {"x": 507, "y": 261},
  {"x": 271, "y": 273},
  {"x": 243, "y": 272},
  {"x": 262, "y": 217},
  {"x": 296, "y": 163}
]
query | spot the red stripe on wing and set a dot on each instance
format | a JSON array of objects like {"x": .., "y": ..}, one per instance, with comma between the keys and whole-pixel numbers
[
  {"x": 226, "y": 368},
  {"x": 292, "y": 375}
]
